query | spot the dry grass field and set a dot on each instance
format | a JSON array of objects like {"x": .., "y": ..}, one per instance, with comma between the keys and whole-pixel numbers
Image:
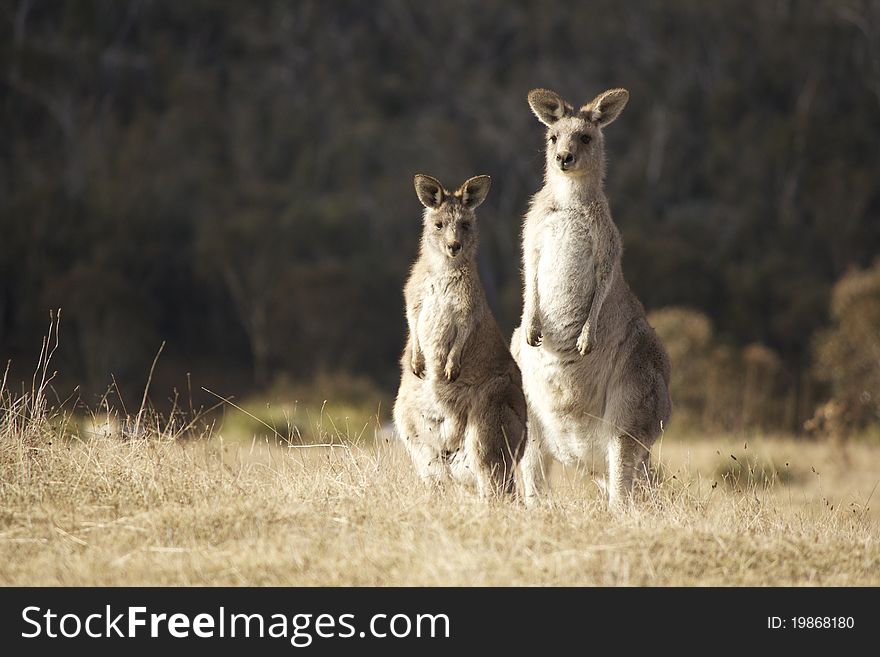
[
  {"x": 78, "y": 507},
  {"x": 100, "y": 501}
]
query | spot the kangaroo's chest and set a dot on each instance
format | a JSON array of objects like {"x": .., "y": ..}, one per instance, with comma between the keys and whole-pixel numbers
[
  {"x": 443, "y": 312},
  {"x": 566, "y": 267}
]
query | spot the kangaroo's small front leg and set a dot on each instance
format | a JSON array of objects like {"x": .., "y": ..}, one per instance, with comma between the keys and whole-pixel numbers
[
  {"x": 452, "y": 368},
  {"x": 531, "y": 316},
  {"x": 584, "y": 344},
  {"x": 531, "y": 324},
  {"x": 534, "y": 331},
  {"x": 607, "y": 260},
  {"x": 417, "y": 360},
  {"x": 417, "y": 356}
]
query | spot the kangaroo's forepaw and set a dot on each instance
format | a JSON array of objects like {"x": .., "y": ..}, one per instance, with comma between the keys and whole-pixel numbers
[
  {"x": 452, "y": 371},
  {"x": 584, "y": 344},
  {"x": 417, "y": 365},
  {"x": 533, "y": 336}
]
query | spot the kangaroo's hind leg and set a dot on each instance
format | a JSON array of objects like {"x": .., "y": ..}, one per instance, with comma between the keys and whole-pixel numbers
[
  {"x": 637, "y": 419},
  {"x": 626, "y": 456},
  {"x": 420, "y": 431},
  {"x": 494, "y": 439},
  {"x": 535, "y": 464},
  {"x": 426, "y": 460}
]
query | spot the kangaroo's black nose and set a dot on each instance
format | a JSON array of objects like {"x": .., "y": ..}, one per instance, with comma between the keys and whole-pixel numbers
[
  {"x": 564, "y": 159},
  {"x": 454, "y": 247}
]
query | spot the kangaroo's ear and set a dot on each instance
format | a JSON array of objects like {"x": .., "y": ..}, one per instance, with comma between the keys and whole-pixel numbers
[
  {"x": 606, "y": 107},
  {"x": 474, "y": 191},
  {"x": 429, "y": 190},
  {"x": 547, "y": 105}
]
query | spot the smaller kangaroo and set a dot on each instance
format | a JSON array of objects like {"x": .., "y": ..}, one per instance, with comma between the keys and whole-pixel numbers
[{"x": 460, "y": 409}]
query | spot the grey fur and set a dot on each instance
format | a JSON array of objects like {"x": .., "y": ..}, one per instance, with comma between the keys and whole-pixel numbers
[
  {"x": 460, "y": 409},
  {"x": 595, "y": 374}
]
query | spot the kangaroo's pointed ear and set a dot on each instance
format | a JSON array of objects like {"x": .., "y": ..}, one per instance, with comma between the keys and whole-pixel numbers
[
  {"x": 429, "y": 190},
  {"x": 606, "y": 107},
  {"x": 547, "y": 105},
  {"x": 474, "y": 191}
]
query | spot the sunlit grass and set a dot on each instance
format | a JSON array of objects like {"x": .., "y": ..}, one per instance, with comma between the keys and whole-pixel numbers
[
  {"x": 185, "y": 501},
  {"x": 330, "y": 409},
  {"x": 107, "y": 510}
]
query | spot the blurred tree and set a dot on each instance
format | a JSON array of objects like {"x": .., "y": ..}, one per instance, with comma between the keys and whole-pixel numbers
[
  {"x": 716, "y": 386},
  {"x": 688, "y": 337},
  {"x": 235, "y": 178},
  {"x": 847, "y": 355}
]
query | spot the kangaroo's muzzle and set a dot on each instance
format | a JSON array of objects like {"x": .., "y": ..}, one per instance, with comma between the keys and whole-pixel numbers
[{"x": 564, "y": 160}]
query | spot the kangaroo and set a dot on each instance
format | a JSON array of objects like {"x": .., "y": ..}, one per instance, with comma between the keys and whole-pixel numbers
[
  {"x": 595, "y": 373},
  {"x": 460, "y": 409}
]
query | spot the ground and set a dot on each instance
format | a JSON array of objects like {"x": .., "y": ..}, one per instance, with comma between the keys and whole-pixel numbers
[{"x": 155, "y": 510}]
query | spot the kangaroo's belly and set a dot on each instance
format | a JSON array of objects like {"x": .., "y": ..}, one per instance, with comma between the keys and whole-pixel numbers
[
  {"x": 426, "y": 420},
  {"x": 568, "y": 399}
]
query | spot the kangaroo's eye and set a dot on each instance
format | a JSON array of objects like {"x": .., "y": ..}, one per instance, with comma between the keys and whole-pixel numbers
[
  {"x": 585, "y": 139},
  {"x": 466, "y": 225},
  {"x": 438, "y": 225},
  {"x": 552, "y": 139}
]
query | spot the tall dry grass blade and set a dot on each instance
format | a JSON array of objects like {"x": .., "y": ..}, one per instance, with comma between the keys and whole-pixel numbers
[
  {"x": 137, "y": 422},
  {"x": 285, "y": 439}
]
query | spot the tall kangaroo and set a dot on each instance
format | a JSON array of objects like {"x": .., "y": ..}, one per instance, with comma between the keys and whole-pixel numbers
[
  {"x": 460, "y": 409},
  {"x": 595, "y": 373}
]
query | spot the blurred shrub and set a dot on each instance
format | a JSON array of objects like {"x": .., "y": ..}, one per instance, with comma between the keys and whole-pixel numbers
[
  {"x": 687, "y": 335},
  {"x": 715, "y": 386},
  {"x": 847, "y": 356},
  {"x": 764, "y": 391}
]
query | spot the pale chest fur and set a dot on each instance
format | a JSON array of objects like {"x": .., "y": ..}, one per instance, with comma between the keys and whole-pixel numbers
[
  {"x": 445, "y": 309},
  {"x": 564, "y": 241}
]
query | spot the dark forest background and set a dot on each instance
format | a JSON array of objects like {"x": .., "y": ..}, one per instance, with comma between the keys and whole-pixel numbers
[{"x": 235, "y": 179}]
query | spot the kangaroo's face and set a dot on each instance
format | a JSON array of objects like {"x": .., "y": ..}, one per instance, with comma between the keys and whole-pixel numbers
[
  {"x": 575, "y": 145},
  {"x": 450, "y": 229}
]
